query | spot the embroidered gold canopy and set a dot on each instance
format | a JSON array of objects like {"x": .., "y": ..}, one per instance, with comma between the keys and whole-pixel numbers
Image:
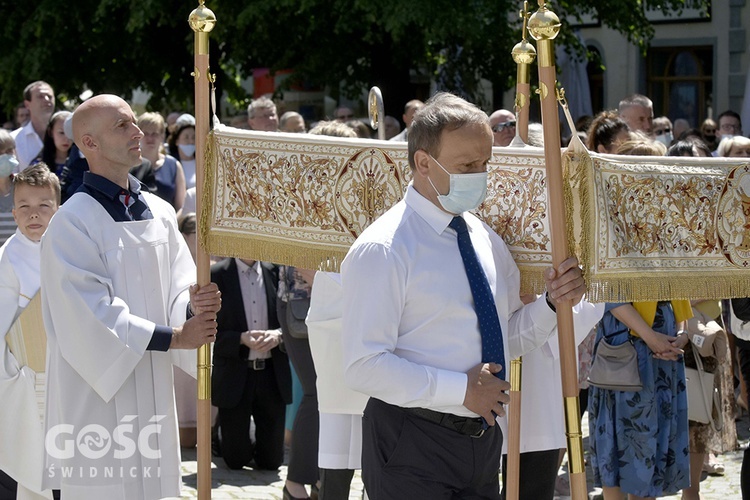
[
  {"x": 661, "y": 228},
  {"x": 644, "y": 228}
]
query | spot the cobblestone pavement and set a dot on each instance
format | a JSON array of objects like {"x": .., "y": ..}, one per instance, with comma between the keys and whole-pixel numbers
[{"x": 264, "y": 485}]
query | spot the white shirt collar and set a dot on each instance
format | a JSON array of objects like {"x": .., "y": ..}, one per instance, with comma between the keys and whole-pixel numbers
[
  {"x": 242, "y": 267},
  {"x": 435, "y": 217}
]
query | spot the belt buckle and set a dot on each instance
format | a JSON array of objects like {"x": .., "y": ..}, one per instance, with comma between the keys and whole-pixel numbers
[{"x": 257, "y": 364}]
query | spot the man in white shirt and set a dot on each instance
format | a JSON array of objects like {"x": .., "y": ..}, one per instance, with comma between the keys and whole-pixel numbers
[
  {"x": 251, "y": 376},
  {"x": 413, "y": 341},
  {"x": 39, "y": 99}
]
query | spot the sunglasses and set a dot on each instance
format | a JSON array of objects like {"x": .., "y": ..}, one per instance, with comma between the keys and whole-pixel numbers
[
  {"x": 502, "y": 126},
  {"x": 662, "y": 131}
]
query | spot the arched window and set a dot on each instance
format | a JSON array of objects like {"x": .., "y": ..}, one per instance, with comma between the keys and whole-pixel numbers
[{"x": 680, "y": 82}]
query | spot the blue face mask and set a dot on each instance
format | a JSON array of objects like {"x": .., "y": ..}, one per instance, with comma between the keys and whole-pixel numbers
[
  {"x": 8, "y": 164},
  {"x": 467, "y": 191},
  {"x": 187, "y": 149}
]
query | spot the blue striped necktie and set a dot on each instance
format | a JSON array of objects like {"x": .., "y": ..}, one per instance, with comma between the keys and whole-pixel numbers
[{"x": 484, "y": 302}]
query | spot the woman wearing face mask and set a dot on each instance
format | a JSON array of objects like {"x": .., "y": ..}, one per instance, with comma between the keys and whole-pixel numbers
[
  {"x": 182, "y": 146},
  {"x": 663, "y": 130}
]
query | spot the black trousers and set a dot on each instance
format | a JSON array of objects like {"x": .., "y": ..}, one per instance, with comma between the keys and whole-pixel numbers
[
  {"x": 407, "y": 457},
  {"x": 538, "y": 475},
  {"x": 8, "y": 487},
  {"x": 261, "y": 401},
  {"x": 303, "y": 455},
  {"x": 335, "y": 484}
]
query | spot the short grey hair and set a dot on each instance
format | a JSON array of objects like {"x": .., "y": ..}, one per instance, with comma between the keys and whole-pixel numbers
[
  {"x": 286, "y": 117},
  {"x": 635, "y": 100},
  {"x": 443, "y": 111},
  {"x": 258, "y": 104}
]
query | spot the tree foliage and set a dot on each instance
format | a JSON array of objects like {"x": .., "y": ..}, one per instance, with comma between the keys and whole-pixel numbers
[{"x": 119, "y": 45}]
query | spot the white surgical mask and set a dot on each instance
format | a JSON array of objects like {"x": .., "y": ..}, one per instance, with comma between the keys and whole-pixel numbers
[
  {"x": 8, "y": 163},
  {"x": 666, "y": 138},
  {"x": 187, "y": 149},
  {"x": 467, "y": 191}
]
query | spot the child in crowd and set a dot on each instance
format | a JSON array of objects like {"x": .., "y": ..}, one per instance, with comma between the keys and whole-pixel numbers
[{"x": 36, "y": 197}]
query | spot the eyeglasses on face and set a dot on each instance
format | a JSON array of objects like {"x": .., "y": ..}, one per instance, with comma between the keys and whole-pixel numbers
[
  {"x": 730, "y": 127},
  {"x": 502, "y": 126},
  {"x": 662, "y": 131}
]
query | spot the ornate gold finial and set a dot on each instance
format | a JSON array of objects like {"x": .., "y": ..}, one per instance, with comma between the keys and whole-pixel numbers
[
  {"x": 544, "y": 24},
  {"x": 202, "y": 19},
  {"x": 524, "y": 52}
]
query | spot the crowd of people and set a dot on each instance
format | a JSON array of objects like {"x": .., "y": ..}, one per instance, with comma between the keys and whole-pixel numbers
[{"x": 427, "y": 312}]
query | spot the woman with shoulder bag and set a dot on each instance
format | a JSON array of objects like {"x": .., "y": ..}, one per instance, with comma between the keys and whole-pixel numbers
[
  {"x": 708, "y": 342},
  {"x": 639, "y": 439},
  {"x": 295, "y": 286}
]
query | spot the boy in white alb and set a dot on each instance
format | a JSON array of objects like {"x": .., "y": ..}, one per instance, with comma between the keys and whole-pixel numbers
[{"x": 36, "y": 197}]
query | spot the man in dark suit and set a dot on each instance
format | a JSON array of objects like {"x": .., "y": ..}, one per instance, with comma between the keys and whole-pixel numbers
[{"x": 251, "y": 376}]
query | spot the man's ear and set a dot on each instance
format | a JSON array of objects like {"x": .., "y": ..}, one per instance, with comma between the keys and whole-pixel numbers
[
  {"x": 421, "y": 162},
  {"x": 88, "y": 143}
]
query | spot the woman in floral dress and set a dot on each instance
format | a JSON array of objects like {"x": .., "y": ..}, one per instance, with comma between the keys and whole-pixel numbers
[{"x": 639, "y": 440}]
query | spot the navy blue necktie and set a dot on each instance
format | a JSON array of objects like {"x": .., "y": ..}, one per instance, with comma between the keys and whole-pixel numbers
[{"x": 484, "y": 302}]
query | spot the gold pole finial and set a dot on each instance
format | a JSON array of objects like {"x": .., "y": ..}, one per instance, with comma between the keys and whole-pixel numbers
[
  {"x": 523, "y": 54},
  {"x": 202, "y": 20},
  {"x": 544, "y": 24}
]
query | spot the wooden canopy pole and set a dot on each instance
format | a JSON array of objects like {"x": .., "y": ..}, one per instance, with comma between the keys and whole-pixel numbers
[
  {"x": 544, "y": 26},
  {"x": 523, "y": 54},
  {"x": 202, "y": 21}
]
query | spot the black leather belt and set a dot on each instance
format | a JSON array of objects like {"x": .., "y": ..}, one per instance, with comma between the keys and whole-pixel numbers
[
  {"x": 468, "y": 426},
  {"x": 258, "y": 364}
]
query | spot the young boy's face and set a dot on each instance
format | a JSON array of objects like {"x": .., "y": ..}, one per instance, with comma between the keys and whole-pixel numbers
[{"x": 33, "y": 207}]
